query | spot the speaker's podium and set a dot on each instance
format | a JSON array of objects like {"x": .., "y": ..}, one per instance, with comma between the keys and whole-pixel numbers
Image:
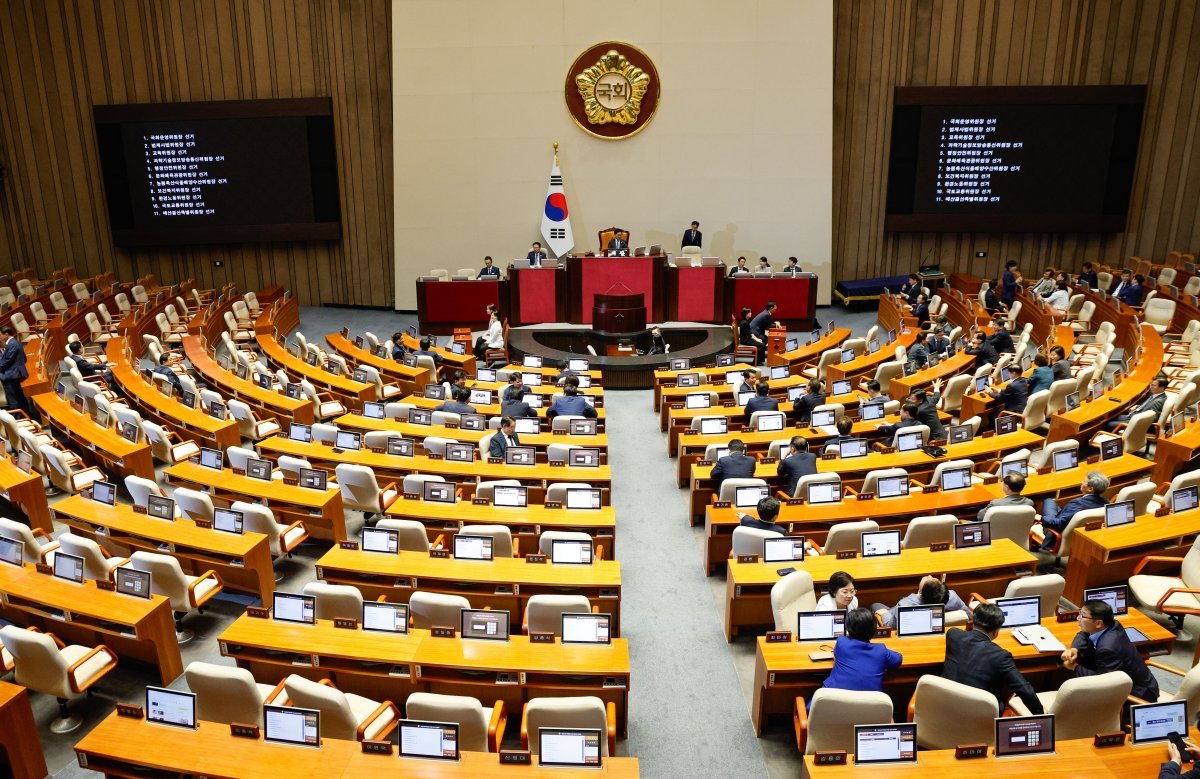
[{"x": 614, "y": 314}]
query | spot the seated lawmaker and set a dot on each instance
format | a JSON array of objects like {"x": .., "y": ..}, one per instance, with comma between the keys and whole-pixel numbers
[
  {"x": 920, "y": 310},
  {"x": 1101, "y": 646},
  {"x": 1042, "y": 376},
  {"x": 768, "y": 510},
  {"x": 739, "y": 268},
  {"x": 792, "y": 268},
  {"x": 489, "y": 270},
  {"x": 1015, "y": 394},
  {"x": 505, "y": 437},
  {"x": 1088, "y": 276},
  {"x": 749, "y": 382},
  {"x": 908, "y": 418},
  {"x": 165, "y": 370},
  {"x": 515, "y": 388},
  {"x": 919, "y": 353},
  {"x": 1094, "y": 485},
  {"x": 424, "y": 351},
  {"x": 735, "y": 465},
  {"x": 1012, "y": 484},
  {"x": 458, "y": 404},
  {"x": 813, "y": 396},
  {"x": 658, "y": 344},
  {"x": 859, "y": 664},
  {"x": 536, "y": 255},
  {"x": 761, "y": 401},
  {"x": 398, "y": 350},
  {"x": 975, "y": 659},
  {"x": 571, "y": 403},
  {"x": 747, "y": 336},
  {"x": 515, "y": 405},
  {"x": 930, "y": 592},
  {"x": 841, "y": 593},
  {"x": 1152, "y": 402},
  {"x": 911, "y": 288},
  {"x": 617, "y": 243},
  {"x": 797, "y": 462},
  {"x": 88, "y": 369},
  {"x": 985, "y": 353}
]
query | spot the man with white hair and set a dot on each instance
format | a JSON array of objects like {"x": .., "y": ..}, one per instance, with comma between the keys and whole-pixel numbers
[{"x": 1094, "y": 485}]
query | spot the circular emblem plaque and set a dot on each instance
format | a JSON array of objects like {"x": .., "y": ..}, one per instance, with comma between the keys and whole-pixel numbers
[{"x": 612, "y": 90}]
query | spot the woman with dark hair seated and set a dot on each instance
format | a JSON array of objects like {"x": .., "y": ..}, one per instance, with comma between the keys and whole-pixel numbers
[{"x": 857, "y": 663}]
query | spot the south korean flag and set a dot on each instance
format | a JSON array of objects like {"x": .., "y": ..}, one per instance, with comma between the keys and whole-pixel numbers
[{"x": 556, "y": 220}]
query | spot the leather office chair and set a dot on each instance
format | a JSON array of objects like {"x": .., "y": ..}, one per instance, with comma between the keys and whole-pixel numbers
[
  {"x": 922, "y": 532},
  {"x": 750, "y": 540},
  {"x": 324, "y": 433},
  {"x": 240, "y": 456},
  {"x": 29, "y": 443},
  {"x": 414, "y": 483},
  {"x": 290, "y": 466},
  {"x": 1035, "y": 417},
  {"x": 563, "y": 421},
  {"x": 398, "y": 411},
  {"x": 789, "y": 596},
  {"x": 1135, "y": 433},
  {"x": 447, "y": 418},
  {"x": 827, "y": 358},
  {"x": 59, "y": 301},
  {"x": 952, "y": 397},
  {"x": 39, "y": 547},
  {"x": 361, "y": 492},
  {"x": 729, "y": 487},
  {"x": 893, "y": 369},
  {"x": 382, "y": 390},
  {"x": 950, "y": 713},
  {"x": 21, "y": 327},
  {"x": 758, "y": 416},
  {"x": 68, "y": 476},
  {"x": 12, "y": 425},
  {"x": 543, "y": 613},
  {"x": 413, "y": 536},
  {"x": 871, "y": 480},
  {"x": 378, "y": 439},
  {"x": 1045, "y": 456},
  {"x": 436, "y": 444},
  {"x": 227, "y": 694},
  {"x": 1180, "y": 482},
  {"x": 433, "y": 609},
  {"x": 185, "y": 592},
  {"x": 846, "y": 536},
  {"x": 816, "y": 478},
  {"x": 480, "y": 728},
  {"x": 44, "y": 664},
  {"x": 165, "y": 445},
  {"x": 249, "y": 426},
  {"x": 122, "y": 302},
  {"x": 80, "y": 291},
  {"x": 936, "y": 478},
  {"x": 324, "y": 405},
  {"x": 1174, "y": 597},
  {"x": 1141, "y": 494},
  {"x": 252, "y": 303},
  {"x": 343, "y": 715},
  {"x": 193, "y": 504},
  {"x": 335, "y": 601},
  {"x": 1062, "y": 545},
  {"x": 829, "y": 724},
  {"x": 98, "y": 565},
  {"x": 582, "y": 712},
  {"x": 281, "y": 539},
  {"x": 503, "y": 543},
  {"x": 486, "y": 490},
  {"x": 548, "y": 537},
  {"x": 139, "y": 293},
  {"x": 1085, "y": 705},
  {"x": 922, "y": 429},
  {"x": 1158, "y": 313},
  {"x": 1049, "y": 587},
  {"x": 1012, "y": 522},
  {"x": 96, "y": 331}
]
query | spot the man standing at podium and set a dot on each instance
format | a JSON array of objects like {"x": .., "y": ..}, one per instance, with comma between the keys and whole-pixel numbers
[
  {"x": 536, "y": 256},
  {"x": 692, "y": 237}
]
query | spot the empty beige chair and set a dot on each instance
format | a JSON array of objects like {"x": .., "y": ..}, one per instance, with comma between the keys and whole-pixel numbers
[
  {"x": 789, "y": 596},
  {"x": 557, "y": 491},
  {"x": 39, "y": 547},
  {"x": 227, "y": 694},
  {"x": 281, "y": 539},
  {"x": 952, "y": 397},
  {"x": 361, "y": 492},
  {"x": 240, "y": 456},
  {"x": 436, "y": 444},
  {"x": 414, "y": 483},
  {"x": 324, "y": 405},
  {"x": 250, "y": 426},
  {"x": 1172, "y": 596},
  {"x": 446, "y": 418},
  {"x": 324, "y": 433},
  {"x": 543, "y": 613},
  {"x": 193, "y": 504},
  {"x": 165, "y": 445},
  {"x": 98, "y": 565},
  {"x": 480, "y": 728},
  {"x": 871, "y": 480},
  {"x": 1135, "y": 433},
  {"x": 1180, "y": 482},
  {"x": 335, "y": 601},
  {"x": 1011, "y": 522},
  {"x": 729, "y": 487},
  {"x": 906, "y": 431},
  {"x": 949, "y": 713},
  {"x": 382, "y": 390},
  {"x": 1189, "y": 686},
  {"x": 548, "y": 537},
  {"x": 583, "y": 712},
  {"x": 185, "y": 592},
  {"x": 1045, "y": 456},
  {"x": 766, "y": 418},
  {"x": 750, "y": 540},
  {"x": 65, "y": 475},
  {"x": 846, "y": 536},
  {"x": 486, "y": 490},
  {"x": 343, "y": 715},
  {"x": 922, "y": 532},
  {"x": 290, "y": 466},
  {"x": 1083, "y": 706},
  {"x": 66, "y": 672},
  {"x": 59, "y": 301},
  {"x": 413, "y": 535},
  {"x": 1158, "y": 313},
  {"x": 503, "y": 544},
  {"x": 1141, "y": 494},
  {"x": 817, "y": 478},
  {"x": 828, "y": 725},
  {"x": 433, "y": 609},
  {"x": 949, "y": 465},
  {"x": 828, "y": 357},
  {"x": 1049, "y": 587},
  {"x": 1035, "y": 410}
]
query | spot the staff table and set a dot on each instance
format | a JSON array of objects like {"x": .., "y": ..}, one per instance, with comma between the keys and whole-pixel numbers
[
  {"x": 506, "y": 583},
  {"x": 242, "y": 561},
  {"x": 27, "y": 491},
  {"x": 986, "y": 570},
  {"x": 20, "y": 748},
  {"x": 135, "y": 628}
]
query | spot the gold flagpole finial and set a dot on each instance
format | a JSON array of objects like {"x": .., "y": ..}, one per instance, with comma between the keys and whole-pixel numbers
[{"x": 556, "y": 152}]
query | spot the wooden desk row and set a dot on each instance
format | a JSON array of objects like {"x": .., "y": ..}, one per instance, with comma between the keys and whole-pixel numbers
[
  {"x": 26, "y": 490},
  {"x": 494, "y": 409},
  {"x": 450, "y": 360},
  {"x": 266, "y": 404},
  {"x": 392, "y": 666},
  {"x": 21, "y": 754},
  {"x": 420, "y": 432},
  {"x": 102, "y": 446},
  {"x": 119, "y": 746},
  {"x": 410, "y": 380}
]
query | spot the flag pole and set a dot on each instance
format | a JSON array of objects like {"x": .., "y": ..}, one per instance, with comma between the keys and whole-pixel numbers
[{"x": 556, "y": 152}]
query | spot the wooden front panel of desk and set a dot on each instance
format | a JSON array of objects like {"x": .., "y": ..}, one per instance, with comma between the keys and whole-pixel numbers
[
  {"x": 320, "y": 510},
  {"x": 267, "y": 404},
  {"x": 420, "y": 432},
  {"x": 506, "y": 583},
  {"x": 411, "y": 380},
  {"x": 375, "y": 664},
  {"x": 807, "y": 354},
  {"x": 120, "y": 746},
  {"x": 527, "y": 523},
  {"x": 1174, "y": 454},
  {"x": 134, "y": 628},
  {"x": 865, "y": 365},
  {"x": 783, "y": 671},
  {"x": 21, "y": 754},
  {"x": 352, "y": 394},
  {"x": 901, "y": 387},
  {"x": 242, "y": 561},
  {"x": 696, "y": 293},
  {"x": 27, "y": 491},
  {"x": 796, "y": 297},
  {"x": 1109, "y": 555},
  {"x": 100, "y": 446},
  {"x": 986, "y": 570}
]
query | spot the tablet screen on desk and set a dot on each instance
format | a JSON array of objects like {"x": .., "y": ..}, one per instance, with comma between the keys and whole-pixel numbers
[
  {"x": 360, "y": 376},
  {"x": 188, "y": 398},
  {"x": 687, "y": 380},
  {"x": 1157, "y": 721},
  {"x": 373, "y": 410},
  {"x": 489, "y": 625},
  {"x": 892, "y": 486},
  {"x": 460, "y": 453},
  {"x": 855, "y": 447},
  {"x": 1024, "y": 735},
  {"x": 216, "y": 410},
  {"x": 24, "y": 461},
  {"x": 880, "y": 543},
  {"x": 1111, "y": 449},
  {"x": 583, "y": 427},
  {"x": 12, "y": 551},
  {"x": 1066, "y": 459},
  {"x": 744, "y": 397},
  {"x": 131, "y": 581},
  {"x": 1020, "y": 612},
  {"x": 748, "y": 497},
  {"x": 586, "y": 628},
  {"x": 129, "y": 432},
  {"x": 520, "y": 455},
  {"x": 472, "y": 547},
  {"x": 438, "y": 491},
  {"x": 258, "y": 469},
  {"x": 510, "y": 497},
  {"x": 346, "y": 439},
  {"x": 420, "y": 416},
  {"x": 380, "y": 540},
  {"x": 791, "y": 345},
  {"x": 458, "y": 348},
  {"x": 289, "y": 725},
  {"x": 481, "y": 397},
  {"x": 571, "y": 552},
  {"x": 841, "y": 387},
  {"x": 909, "y": 442},
  {"x": 264, "y": 380},
  {"x": 847, "y": 355},
  {"x": 820, "y": 625},
  {"x": 1184, "y": 499},
  {"x": 869, "y": 412},
  {"x": 228, "y": 521},
  {"x": 68, "y": 567},
  {"x": 981, "y": 383},
  {"x": 768, "y": 423},
  {"x": 822, "y": 418},
  {"x": 526, "y": 426},
  {"x": 401, "y": 447},
  {"x": 531, "y": 361},
  {"x": 885, "y": 743},
  {"x": 531, "y": 379},
  {"x": 920, "y": 620},
  {"x": 680, "y": 364},
  {"x": 435, "y": 392},
  {"x": 1119, "y": 513},
  {"x": 313, "y": 478},
  {"x": 428, "y": 740},
  {"x": 725, "y": 360},
  {"x": 960, "y": 434},
  {"x": 956, "y": 478},
  {"x": 969, "y": 534},
  {"x": 734, "y": 378},
  {"x": 160, "y": 508},
  {"x": 783, "y": 550},
  {"x": 584, "y": 457},
  {"x": 825, "y": 492},
  {"x": 714, "y": 426},
  {"x": 570, "y": 747},
  {"x": 581, "y": 498},
  {"x": 104, "y": 492},
  {"x": 697, "y": 400},
  {"x": 578, "y": 365},
  {"x": 211, "y": 458},
  {"x": 293, "y": 391},
  {"x": 1020, "y": 467},
  {"x": 1072, "y": 401},
  {"x": 1116, "y": 596},
  {"x": 779, "y": 372},
  {"x": 485, "y": 374},
  {"x": 385, "y": 617},
  {"x": 170, "y": 707},
  {"x": 288, "y": 607}
]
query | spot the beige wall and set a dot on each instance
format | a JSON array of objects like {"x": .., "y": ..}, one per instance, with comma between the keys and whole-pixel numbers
[{"x": 742, "y": 140}]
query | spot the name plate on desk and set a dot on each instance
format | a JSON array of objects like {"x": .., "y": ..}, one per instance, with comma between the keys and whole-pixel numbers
[
  {"x": 883, "y": 632},
  {"x": 778, "y": 636},
  {"x": 129, "y": 710},
  {"x": 495, "y": 461},
  {"x": 345, "y": 623},
  {"x": 930, "y": 488},
  {"x": 1092, "y": 461},
  {"x": 847, "y": 554},
  {"x": 205, "y": 524},
  {"x": 290, "y": 482},
  {"x": 376, "y": 747},
  {"x": 1067, "y": 616},
  {"x": 722, "y": 504},
  {"x": 829, "y": 456},
  {"x": 794, "y": 502},
  {"x": 768, "y": 460},
  {"x": 410, "y": 496},
  {"x": 351, "y": 545},
  {"x": 241, "y": 730},
  {"x": 1094, "y": 524},
  {"x": 479, "y": 502},
  {"x": 441, "y": 554},
  {"x": 747, "y": 558},
  {"x": 378, "y": 450},
  {"x": 541, "y": 638},
  {"x": 1115, "y": 739},
  {"x": 558, "y": 463},
  {"x": 441, "y": 632},
  {"x": 514, "y": 757},
  {"x": 558, "y": 432},
  {"x": 258, "y": 612},
  {"x": 866, "y": 496},
  {"x": 887, "y": 450},
  {"x": 434, "y": 456},
  {"x": 830, "y": 757},
  {"x": 139, "y": 509},
  {"x": 939, "y": 546},
  {"x": 970, "y": 751},
  {"x": 535, "y": 558},
  {"x": 554, "y": 504},
  {"x": 43, "y": 568},
  {"x": 704, "y": 463},
  {"x": 238, "y": 471},
  {"x": 106, "y": 585}
]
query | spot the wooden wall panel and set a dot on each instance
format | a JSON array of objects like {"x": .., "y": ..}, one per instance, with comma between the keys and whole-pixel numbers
[
  {"x": 58, "y": 58},
  {"x": 882, "y": 44}
]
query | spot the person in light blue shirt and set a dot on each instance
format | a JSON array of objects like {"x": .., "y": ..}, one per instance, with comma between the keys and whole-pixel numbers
[
  {"x": 859, "y": 664},
  {"x": 1042, "y": 376}
]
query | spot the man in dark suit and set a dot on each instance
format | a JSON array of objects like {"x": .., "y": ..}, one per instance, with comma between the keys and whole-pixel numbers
[
  {"x": 515, "y": 405},
  {"x": 1092, "y": 490},
  {"x": 927, "y": 413},
  {"x": 805, "y": 404},
  {"x": 1088, "y": 276},
  {"x": 88, "y": 369},
  {"x": 691, "y": 237},
  {"x": 735, "y": 465},
  {"x": 908, "y": 418},
  {"x": 165, "y": 370},
  {"x": 1120, "y": 283},
  {"x": 489, "y": 270},
  {"x": 505, "y": 437},
  {"x": 798, "y": 462},
  {"x": 571, "y": 403},
  {"x": 985, "y": 353},
  {"x": 536, "y": 255},
  {"x": 618, "y": 243},
  {"x": 793, "y": 267},
  {"x": 763, "y": 322},
  {"x": 761, "y": 401},
  {"x": 1015, "y": 394},
  {"x": 974, "y": 659},
  {"x": 458, "y": 402},
  {"x": 768, "y": 510},
  {"x": 13, "y": 370},
  {"x": 920, "y": 310},
  {"x": 398, "y": 350},
  {"x": 911, "y": 288},
  {"x": 1001, "y": 340},
  {"x": 1102, "y": 646},
  {"x": 1152, "y": 402}
]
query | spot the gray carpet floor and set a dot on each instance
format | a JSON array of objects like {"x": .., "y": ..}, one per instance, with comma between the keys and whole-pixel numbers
[{"x": 691, "y": 691}]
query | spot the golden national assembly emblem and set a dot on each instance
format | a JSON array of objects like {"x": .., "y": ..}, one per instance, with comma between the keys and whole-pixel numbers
[{"x": 612, "y": 90}]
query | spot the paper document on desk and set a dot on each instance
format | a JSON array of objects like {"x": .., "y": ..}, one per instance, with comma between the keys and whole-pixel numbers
[{"x": 1041, "y": 639}]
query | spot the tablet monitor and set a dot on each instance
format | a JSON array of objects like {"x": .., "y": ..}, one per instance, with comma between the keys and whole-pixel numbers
[
  {"x": 1020, "y": 467},
  {"x": 687, "y": 380},
  {"x": 841, "y": 387},
  {"x": 473, "y": 547},
  {"x": 360, "y": 376},
  {"x": 892, "y": 486},
  {"x": 578, "y": 365},
  {"x": 697, "y": 400},
  {"x": 216, "y": 410},
  {"x": 586, "y": 628},
  {"x": 211, "y": 458},
  {"x": 1157, "y": 721},
  {"x": 581, "y": 498},
  {"x": 104, "y": 492},
  {"x": 744, "y": 397},
  {"x": 68, "y": 567},
  {"x": 410, "y": 360},
  {"x": 769, "y": 423},
  {"x": 510, "y": 496},
  {"x": 880, "y": 543},
  {"x": 749, "y": 496},
  {"x": 458, "y": 348},
  {"x": 1066, "y": 459},
  {"x": 129, "y": 431},
  {"x": 956, "y": 478},
  {"x": 1111, "y": 449},
  {"x": 855, "y": 447},
  {"x": 920, "y": 620},
  {"x": 438, "y": 491},
  {"x": 981, "y": 383},
  {"x": 420, "y": 416},
  {"x": 435, "y": 392},
  {"x": 1072, "y": 401},
  {"x": 824, "y": 492},
  {"x": 590, "y": 400},
  {"x": 871, "y": 411},
  {"x": 385, "y": 617},
  {"x": 969, "y": 534},
  {"x": 909, "y": 442},
  {"x": 1116, "y": 596},
  {"x": 531, "y": 361},
  {"x": 680, "y": 364},
  {"x": 481, "y": 397},
  {"x": 892, "y": 335},
  {"x": 779, "y": 372},
  {"x": 314, "y": 360},
  {"x": 795, "y": 393},
  {"x": 258, "y": 469},
  {"x": 229, "y": 521},
  {"x": 373, "y": 410},
  {"x": 791, "y": 345},
  {"x": 489, "y": 625},
  {"x": 380, "y": 540},
  {"x": 131, "y": 581},
  {"x": 12, "y": 551},
  {"x": 160, "y": 508},
  {"x": 300, "y": 609},
  {"x": 585, "y": 381},
  {"x": 263, "y": 380},
  {"x": 881, "y": 744},
  {"x": 571, "y": 551},
  {"x": 873, "y": 345},
  {"x": 714, "y": 426},
  {"x": 300, "y": 432},
  {"x": 829, "y": 328},
  {"x": 719, "y": 452},
  {"x": 314, "y": 478},
  {"x": 520, "y": 455},
  {"x": 583, "y": 426},
  {"x": 1025, "y": 735},
  {"x": 485, "y": 374},
  {"x": 170, "y": 707},
  {"x": 24, "y": 461},
  {"x": 293, "y": 391},
  {"x": 401, "y": 447},
  {"x": 910, "y": 368},
  {"x": 188, "y": 398},
  {"x": 428, "y": 740},
  {"x": 847, "y": 355},
  {"x": 1119, "y": 513},
  {"x": 783, "y": 550},
  {"x": 460, "y": 453},
  {"x": 734, "y": 378},
  {"x": 532, "y": 379},
  {"x": 527, "y": 426},
  {"x": 1020, "y": 612},
  {"x": 579, "y": 747},
  {"x": 1185, "y": 499},
  {"x": 347, "y": 439},
  {"x": 820, "y": 625},
  {"x": 725, "y": 360},
  {"x": 959, "y": 434},
  {"x": 583, "y": 457},
  {"x": 290, "y": 725},
  {"x": 822, "y": 418}
]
